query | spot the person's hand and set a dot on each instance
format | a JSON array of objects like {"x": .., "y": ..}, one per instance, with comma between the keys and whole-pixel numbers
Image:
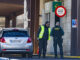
[
  {"x": 38, "y": 41},
  {"x": 37, "y": 38}
]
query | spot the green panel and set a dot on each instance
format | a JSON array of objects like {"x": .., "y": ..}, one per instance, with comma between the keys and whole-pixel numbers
[{"x": 55, "y": 5}]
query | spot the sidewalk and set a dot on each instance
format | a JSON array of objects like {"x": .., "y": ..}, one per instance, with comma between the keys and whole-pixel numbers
[{"x": 73, "y": 57}]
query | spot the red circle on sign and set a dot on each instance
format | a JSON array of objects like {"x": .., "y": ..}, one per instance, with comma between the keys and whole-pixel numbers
[{"x": 59, "y": 8}]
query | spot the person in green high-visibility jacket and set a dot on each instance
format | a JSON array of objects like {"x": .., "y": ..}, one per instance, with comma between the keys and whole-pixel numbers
[{"x": 43, "y": 35}]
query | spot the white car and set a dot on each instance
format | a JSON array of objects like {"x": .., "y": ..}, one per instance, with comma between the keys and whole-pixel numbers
[{"x": 15, "y": 40}]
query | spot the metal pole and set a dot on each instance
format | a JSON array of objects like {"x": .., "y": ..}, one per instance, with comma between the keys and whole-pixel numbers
[
  {"x": 57, "y": 19},
  {"x": 7, "y": 22}
]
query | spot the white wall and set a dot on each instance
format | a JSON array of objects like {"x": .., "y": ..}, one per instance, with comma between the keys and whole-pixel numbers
[
  {"x": 66, "y": 24},
  {"x": 50, "y": 49}
]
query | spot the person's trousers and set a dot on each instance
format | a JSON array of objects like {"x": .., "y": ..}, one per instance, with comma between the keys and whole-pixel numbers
[
  {"x": 59, "y": 43},
  {"x": 42, "y": 47}
]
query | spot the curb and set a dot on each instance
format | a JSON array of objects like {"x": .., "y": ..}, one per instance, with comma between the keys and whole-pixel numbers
[{"x": 65, "y": 56}]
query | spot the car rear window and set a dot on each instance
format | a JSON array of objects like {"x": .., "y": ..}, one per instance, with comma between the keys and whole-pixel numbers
[{"x": 15, "y": 33}]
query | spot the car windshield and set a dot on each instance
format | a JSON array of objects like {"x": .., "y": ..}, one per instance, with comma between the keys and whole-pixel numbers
[{"x": 13, "y": 33}]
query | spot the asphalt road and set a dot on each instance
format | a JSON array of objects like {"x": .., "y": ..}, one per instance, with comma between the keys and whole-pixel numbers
[
  {"x": 19, "y": 57},
  {"x": 37, "y": 59}
]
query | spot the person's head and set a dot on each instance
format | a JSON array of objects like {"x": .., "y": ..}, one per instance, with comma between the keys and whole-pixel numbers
[
  {"x": 47, "y": 24},
  {"x": 57, "y": 23}
]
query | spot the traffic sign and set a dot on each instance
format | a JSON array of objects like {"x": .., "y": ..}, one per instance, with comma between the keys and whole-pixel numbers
[
  {"x": 74, "y": 23},
  {"x": 55, "y": 5},
  {"x": 60, "y": 11}
]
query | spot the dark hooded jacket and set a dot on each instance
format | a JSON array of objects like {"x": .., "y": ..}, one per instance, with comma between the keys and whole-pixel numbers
[{"x": 57, "y": 31}]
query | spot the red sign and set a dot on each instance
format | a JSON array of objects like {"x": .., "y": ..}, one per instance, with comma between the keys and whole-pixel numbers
[{"x": 60, "y": 11}]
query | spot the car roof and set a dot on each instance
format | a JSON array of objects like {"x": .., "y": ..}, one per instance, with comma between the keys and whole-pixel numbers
[{"x": 4, "y": 29}]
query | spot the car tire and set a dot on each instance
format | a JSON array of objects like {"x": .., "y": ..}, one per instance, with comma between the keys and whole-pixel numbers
[
  {"x": 30, "y": 55},
  {"x": 0, "y": 54},
  {"x": 23, "y": 55}
]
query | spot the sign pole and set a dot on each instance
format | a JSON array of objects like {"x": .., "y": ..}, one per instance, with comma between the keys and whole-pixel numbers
[{"x": 54, "y": 7}]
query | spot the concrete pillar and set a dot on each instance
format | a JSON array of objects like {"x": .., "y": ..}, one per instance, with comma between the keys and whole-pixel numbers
[
  {"x": 42, "y": 12},
  {"x": 13, "y": 21},
  {"x": 7, "y": 22},
  {"x": 78, "y": 29},
  {"x": 34, "y": 22},
  {"x": 43, "y": 17},
  {"x": 37, "y": 8},
  {"x": 74, "y": 30}
]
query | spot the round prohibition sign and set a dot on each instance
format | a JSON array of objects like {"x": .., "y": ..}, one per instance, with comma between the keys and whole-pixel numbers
[{"x": 60, "y": 11}]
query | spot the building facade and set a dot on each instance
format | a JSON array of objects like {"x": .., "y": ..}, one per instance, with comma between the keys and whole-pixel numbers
[
  {"x": 71, "y": 37},
  {"x": 65, "y": 23}
]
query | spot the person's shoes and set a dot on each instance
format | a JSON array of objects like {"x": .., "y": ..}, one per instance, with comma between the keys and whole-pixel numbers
[
  {"x": 61, "y": 57},
  {"x": 39, "y": 57},
  {"x": 44, "y": 57},
  {"x": 55, "y": 57}
]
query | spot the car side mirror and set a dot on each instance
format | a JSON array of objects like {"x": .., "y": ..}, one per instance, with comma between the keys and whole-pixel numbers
[{"x": 0, "y": 36}]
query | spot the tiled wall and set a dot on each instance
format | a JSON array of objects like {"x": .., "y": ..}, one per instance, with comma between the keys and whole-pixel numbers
[{"x": 66, "y": 24}]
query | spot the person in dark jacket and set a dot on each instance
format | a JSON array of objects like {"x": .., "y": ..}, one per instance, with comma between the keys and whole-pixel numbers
[
  {"x": 57, "y": 33},
  {"x": 43, "y": 35}
]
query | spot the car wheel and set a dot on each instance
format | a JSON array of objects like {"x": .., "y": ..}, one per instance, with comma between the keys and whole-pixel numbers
[
  {"x": 23, "y": 55},
  {"x": 30, "y": 55},
  {"x": 0, "y": 54}
]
